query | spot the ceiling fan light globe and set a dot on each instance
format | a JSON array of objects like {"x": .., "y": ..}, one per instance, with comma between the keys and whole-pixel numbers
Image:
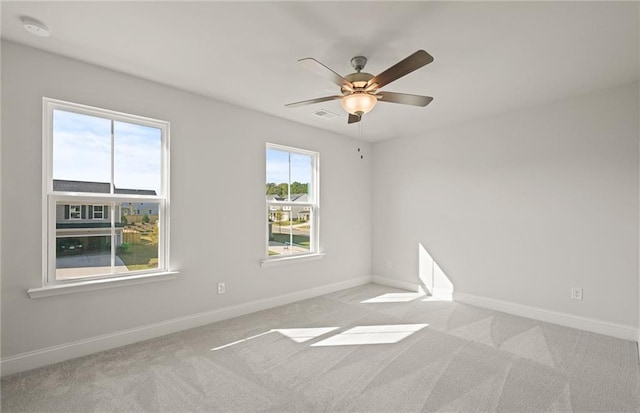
[{"x": 358, "y": 103}]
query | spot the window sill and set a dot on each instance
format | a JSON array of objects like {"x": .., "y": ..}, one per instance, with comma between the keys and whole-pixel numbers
[
  {"x": 267, "y": 262},
  {"x": 90, "y": 285}
]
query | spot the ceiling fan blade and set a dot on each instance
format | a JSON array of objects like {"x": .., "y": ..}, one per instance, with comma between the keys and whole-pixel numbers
[
  {"x": 325, "y": 72},
  {"x": 311, "y": 101},
  {"x": 354, "y": 118},
  {"x": 404, "y": 98},
  {"x": 403, "y": 67}
]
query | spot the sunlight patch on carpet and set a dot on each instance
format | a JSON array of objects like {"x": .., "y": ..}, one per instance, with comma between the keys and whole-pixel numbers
[
  {"x": 300, "y": 335},
  {"x": 242, "y": 341},
  {"x": 393, "y": 298},
  {"x": 384, "y": 334}
]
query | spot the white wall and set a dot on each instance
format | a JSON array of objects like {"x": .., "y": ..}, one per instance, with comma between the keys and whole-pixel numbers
[
  {"x": 639, "y": 220},
  {"x": 521, "y": 207},
  {"x": 217, "y": 165}
]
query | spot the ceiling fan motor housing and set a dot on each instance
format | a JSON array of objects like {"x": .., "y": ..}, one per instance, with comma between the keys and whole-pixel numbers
[{"x": 358, "y": 79}]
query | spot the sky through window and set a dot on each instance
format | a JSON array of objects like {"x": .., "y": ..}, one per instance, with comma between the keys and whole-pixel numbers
[{"x": 82, "y": 151}]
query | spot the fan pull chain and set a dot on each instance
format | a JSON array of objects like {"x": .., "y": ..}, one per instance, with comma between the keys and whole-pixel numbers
[{"x": 360, "y": 127}]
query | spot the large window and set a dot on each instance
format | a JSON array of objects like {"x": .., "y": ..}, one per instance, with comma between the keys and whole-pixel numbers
[
  {"x": 292, "y": 201},
  {"x": 98, "y": 163}
]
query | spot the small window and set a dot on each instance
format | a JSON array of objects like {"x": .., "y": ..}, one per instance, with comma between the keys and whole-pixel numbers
[
  {"x": 75, "y": 212},
  {"x": 98, "y": 212},
  {"x": 98, "y": 163},
  {"x": 292, "y": 201}
]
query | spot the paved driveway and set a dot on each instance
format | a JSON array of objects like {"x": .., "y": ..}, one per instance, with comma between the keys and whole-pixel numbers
[{"x": 75, "y": 266}]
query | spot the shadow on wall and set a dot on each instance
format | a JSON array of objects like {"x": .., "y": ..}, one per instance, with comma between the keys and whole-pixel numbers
[{"x": 432, "y": 278}]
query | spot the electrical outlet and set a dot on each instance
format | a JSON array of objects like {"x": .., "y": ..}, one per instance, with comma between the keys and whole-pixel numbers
[
  {"x": 221, "y": 288},
  {"x": 576, "y": 293},
  {"x": 389, "y": 265}
]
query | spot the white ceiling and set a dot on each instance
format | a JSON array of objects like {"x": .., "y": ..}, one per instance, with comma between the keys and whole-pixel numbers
[{"x": 490, "y": 57}]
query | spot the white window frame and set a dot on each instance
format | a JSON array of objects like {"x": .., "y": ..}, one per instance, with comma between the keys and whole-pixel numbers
[
  {"x": 313, "y": 204},
  {"x": 50, "y": 199},
  {"x": 79, "y": 212},
  {"x": 93, "y": 215}
]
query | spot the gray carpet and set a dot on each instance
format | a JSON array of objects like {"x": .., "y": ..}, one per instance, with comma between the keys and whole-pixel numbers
[{"x": 366, "y": 349}]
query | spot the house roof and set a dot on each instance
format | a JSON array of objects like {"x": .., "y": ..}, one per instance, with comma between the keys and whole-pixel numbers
[
  {"x": 62, "y": 185},
  {"x": 135, "y": 191}
]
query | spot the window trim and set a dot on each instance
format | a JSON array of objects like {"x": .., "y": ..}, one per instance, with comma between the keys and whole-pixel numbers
[
  {"x": 99, "y": 284},
  {"x": 79, "y": 212},
  {"x": 49, "y": 197},
  {"x": 93, "y": 212},
  {"x": 314, "y": 205},
  {"x": 291, "y": 259}
]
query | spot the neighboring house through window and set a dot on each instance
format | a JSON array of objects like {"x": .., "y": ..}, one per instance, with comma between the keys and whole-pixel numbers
[
  {"x": 99, "y": 163},
  {"x": 292, "y": 201}
]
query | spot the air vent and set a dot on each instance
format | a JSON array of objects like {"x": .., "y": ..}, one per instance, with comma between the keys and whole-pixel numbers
[{"x": 323, "y": 113}]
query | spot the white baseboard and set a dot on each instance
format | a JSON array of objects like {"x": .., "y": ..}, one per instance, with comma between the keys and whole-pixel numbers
[
  {"x": 402, "y": 285},
  {"x": 442, "y": 293},
  {"x": 582, "y": 323},
  {"x": 55, "y": 354}
]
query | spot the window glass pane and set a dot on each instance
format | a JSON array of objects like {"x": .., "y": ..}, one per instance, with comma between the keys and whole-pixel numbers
[
  {"x": 289, "y": 229},
  {"x": 75, "y": 212},
  {"x": 301, "y": 176},
  {"x": 138, "y": 237},
  {"x": 81, "y": 255},
  {"x": 94, "y": 153},
  {"x": 277, "y": 175},
  {"x": 81, "y": 153},
  {"x": 137, "y": 158},
  {"x": 83, "y": 244},
  {"x": 98, "y": 212}
]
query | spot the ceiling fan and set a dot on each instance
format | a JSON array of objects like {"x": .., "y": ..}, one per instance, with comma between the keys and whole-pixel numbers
[{"x": 360, "y": 91}]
